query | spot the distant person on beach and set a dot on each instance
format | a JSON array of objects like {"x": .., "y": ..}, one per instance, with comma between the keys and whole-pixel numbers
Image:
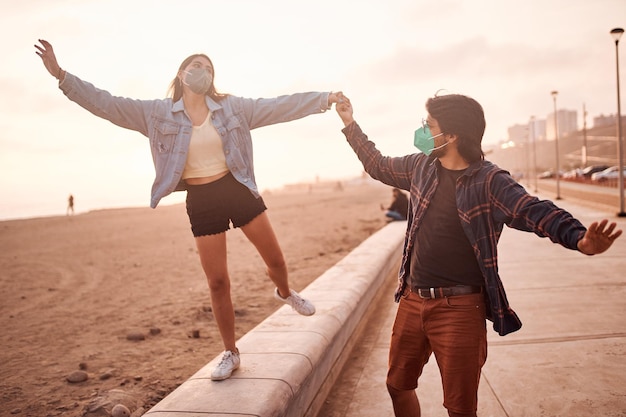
[
  {"x": 448, "y": 279},
  {"x": 399, "y": 206},
  {"x": 70, "y": 205},
  {"x": 200, "y": 141}
]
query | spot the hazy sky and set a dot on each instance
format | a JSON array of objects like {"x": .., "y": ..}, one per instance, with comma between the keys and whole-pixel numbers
[{"x": 388, "y": 57}]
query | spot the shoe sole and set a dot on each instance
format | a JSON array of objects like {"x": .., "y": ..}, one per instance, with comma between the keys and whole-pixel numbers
[
  {"x": 305, "y": 314},
  {"x": 221, "y": 378}
]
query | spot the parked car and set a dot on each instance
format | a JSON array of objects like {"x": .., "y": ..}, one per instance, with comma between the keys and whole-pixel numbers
[
  {"x": 608, "y": 174},
  {"x": 546, "y": 174},
  {"x": 549, "y": 174},
  {"x": 592, "y": 169},
  {"x": 573, "y": 174}
]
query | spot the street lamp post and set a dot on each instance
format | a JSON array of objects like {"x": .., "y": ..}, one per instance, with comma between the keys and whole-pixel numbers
[
  {"x": 527, "y": 158},
  {"x": 616, "y": 34},
  {"x": 532, "y": 131},
  {"x": 556, "y": 141},
  {"x": 584, "y": 150}
]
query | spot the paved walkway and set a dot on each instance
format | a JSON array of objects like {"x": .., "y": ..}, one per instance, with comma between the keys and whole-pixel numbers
[{"x": 569, "y": 358}]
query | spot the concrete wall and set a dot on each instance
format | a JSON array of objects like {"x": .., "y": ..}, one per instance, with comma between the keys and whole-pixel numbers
[{"x": 290, "y": 362}]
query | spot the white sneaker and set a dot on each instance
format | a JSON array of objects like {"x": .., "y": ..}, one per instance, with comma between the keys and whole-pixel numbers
[
  {"x": 302, "y": 306},
  {"x": 230, "y": 361}
]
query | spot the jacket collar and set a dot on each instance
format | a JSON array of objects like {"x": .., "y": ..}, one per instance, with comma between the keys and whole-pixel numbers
[{"x": 179, "y": 106}]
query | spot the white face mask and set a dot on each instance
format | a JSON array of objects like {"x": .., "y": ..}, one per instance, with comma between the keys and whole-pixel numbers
[{"x": 198, "y": 80}]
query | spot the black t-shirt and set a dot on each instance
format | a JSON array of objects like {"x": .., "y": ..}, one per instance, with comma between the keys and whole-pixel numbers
[{"x": 442, "y": 255}]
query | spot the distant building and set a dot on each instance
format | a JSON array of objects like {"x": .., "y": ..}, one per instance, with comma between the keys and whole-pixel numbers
[
  {"x": 518, "y": 133},
  {"x": 543, "y": 129},
  {"x": 537, "y": 129},
  {"x": 567, "y": 121},
  {"x": 534, "y": 130},
  {"x": 609, "y": 120}
]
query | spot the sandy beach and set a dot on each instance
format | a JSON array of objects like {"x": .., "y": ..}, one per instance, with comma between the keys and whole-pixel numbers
[{"x": 77, "y": 289}]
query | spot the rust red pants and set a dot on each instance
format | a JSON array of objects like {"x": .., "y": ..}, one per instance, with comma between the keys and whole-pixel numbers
[{"x": 454, "y": 329}]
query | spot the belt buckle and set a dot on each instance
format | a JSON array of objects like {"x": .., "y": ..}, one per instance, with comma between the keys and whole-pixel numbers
[{"x": 431, "y": 293}]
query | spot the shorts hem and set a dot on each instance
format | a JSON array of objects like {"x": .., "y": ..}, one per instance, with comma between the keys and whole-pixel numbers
[{"x": 248, "y": 222}]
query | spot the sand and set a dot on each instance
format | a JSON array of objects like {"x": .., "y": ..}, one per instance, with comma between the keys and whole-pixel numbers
[{"x": 75, "y": 288}]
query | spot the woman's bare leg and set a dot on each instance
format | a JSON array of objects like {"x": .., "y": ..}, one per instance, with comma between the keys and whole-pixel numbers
[
  {"x": 259, "y": 231},
  {"x": 212, "y": 251}
]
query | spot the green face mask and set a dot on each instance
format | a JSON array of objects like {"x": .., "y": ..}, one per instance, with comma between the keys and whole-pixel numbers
[{"x": 425, "y": 141}]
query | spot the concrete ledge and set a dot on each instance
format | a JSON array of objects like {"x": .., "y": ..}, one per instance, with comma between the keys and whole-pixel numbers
[{"x": 287, "y": 361}]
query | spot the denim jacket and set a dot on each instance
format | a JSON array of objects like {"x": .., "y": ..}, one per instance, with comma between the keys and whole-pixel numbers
[{"x": 169, "y": 128}]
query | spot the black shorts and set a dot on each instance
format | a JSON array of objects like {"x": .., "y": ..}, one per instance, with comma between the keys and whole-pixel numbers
[{"x": 211, "y": 207}]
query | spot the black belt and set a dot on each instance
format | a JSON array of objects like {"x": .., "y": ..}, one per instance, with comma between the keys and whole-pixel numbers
[{"x": 441, "y": 292}]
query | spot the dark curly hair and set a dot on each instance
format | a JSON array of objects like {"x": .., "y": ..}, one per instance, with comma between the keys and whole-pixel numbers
[{"x": 461, "y": 116}]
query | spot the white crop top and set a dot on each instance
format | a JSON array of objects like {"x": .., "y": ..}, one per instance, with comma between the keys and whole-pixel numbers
[{"x": 206, "y": 154}]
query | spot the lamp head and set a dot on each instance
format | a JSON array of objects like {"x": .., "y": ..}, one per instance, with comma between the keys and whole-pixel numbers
[
  {"x": 554, "y": 93},
  {"x": 617, "y": 33}
]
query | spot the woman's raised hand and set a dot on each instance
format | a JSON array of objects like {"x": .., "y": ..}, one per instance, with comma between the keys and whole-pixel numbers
[
  {"x": 46, "y": 53},
  {"x": 335, "y": 97}
]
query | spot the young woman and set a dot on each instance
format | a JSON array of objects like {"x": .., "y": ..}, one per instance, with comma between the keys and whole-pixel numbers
[{"x": 200, "y": 142}]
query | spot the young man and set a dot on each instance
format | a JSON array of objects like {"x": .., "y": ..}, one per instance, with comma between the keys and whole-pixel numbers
[{"x": 449, "y": 283}]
